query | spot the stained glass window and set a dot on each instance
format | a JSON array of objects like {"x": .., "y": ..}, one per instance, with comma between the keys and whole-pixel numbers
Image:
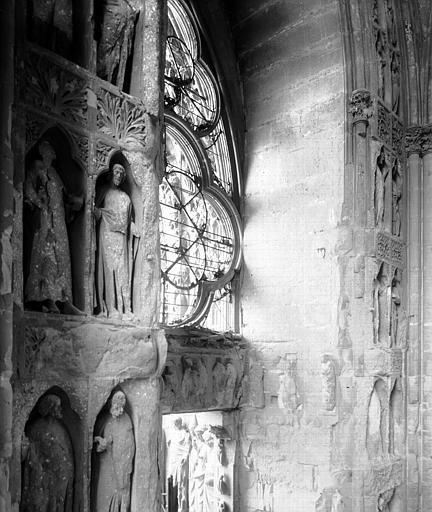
[{"x": 199, "y": 224}]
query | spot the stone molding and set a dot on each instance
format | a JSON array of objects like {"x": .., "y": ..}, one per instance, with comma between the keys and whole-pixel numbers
[{"x": 418, "y": 139}]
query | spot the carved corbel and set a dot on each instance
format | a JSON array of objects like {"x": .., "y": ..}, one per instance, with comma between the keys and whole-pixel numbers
[{"x": 361, "y": 105}]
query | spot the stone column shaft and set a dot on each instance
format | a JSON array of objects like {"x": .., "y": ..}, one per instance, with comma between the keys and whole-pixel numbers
[
  {"x": 426, "y": 352},
  {"x": 7, "y": 12},
  {"x": 414, "y": 257}
]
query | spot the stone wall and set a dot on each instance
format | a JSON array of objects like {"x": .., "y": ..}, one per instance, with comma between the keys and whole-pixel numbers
[{"x": 291, "y": 64}]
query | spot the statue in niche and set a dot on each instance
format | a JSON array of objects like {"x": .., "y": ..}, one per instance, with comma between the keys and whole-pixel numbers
[
  {"x": 116, "y": 247},
  {"x": 179, "y": 446},
  {"x": 395, "y": 320},
  {"x": 117, "y": 30},
  {"x": 48, "y": 461},
  {"x": 115, "y": 447},
  {"x": 396, "y": 198},
  {"x": 381, "y": 306},
  {"x": 50, "y": 24},
  {"x": 328, "y": 375},
  {"x": 395, "y": 77},
  {"x": 381, "y": 173},
  {"x": 381, "y": 49},
  {"x": 50, "y": 278}
]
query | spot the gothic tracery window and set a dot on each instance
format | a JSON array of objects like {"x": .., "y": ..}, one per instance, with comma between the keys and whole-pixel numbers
[{"x": 199, "y": 223}]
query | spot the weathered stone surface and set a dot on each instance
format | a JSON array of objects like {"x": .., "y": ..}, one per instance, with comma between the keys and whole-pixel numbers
[{"x": 81, "y": 349}]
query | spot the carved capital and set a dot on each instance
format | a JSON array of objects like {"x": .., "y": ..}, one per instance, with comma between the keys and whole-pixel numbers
[
  {"x": 418, "y": 139},
  {"x": 361, "y": 105}
]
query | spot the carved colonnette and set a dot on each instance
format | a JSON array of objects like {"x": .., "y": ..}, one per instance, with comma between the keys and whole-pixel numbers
[{"x": 378, "y": 267}]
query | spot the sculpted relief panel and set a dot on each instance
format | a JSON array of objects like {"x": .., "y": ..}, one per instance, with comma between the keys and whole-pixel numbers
[
  {"x": 199, "y": 464},
  {"x": 206, "y": 382}
]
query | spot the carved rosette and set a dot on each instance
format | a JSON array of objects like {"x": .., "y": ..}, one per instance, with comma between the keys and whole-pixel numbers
[
  {"x": 361, "y": 105},
  {"x": 121, "y": 119}
]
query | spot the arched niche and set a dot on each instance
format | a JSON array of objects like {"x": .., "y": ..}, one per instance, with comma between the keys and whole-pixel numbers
[
  {"x": 73, "y": 180},
  {"x": 377, "y": 422},
  {"x": 113, "y": 445},
  {"x": 128, "y": 186},
  {"x": 396, "y": 423},
  {"x": 68, "y": 429}
]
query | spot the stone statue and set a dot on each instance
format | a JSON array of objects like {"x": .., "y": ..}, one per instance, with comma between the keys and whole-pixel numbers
[
  {"x": 50, "y": 278},
  {"x": 48, "y": 462},
  {"x": 211, "y": 473},
  {"x": 197, "y": 462},
  {"x": 397, "y": 185},
  {"x": 288, "y": 396},
  {"x": 115, "y": 445},
  {"x": 395, "y": 76},
  {"x": 194, "y": 382},
  {"x": 396, "y": 309},
  {"x": 219, "y": 382},
  {"x": 231, "y": 381},
  {"x": 384, "y": 500},
  {"x": 381, "y": 172},
  {"x": 179, "y": 445},
  {"x": 116, "y": 36},
  {"x": 381, "y": 306},
  {"x": 116, "y": 248},
  {"x": 381, "y": 49},
  {"x": 328, "y": 376},
  {"x": 51, "y": 25},
  {"x": 330, "y": 500}
]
